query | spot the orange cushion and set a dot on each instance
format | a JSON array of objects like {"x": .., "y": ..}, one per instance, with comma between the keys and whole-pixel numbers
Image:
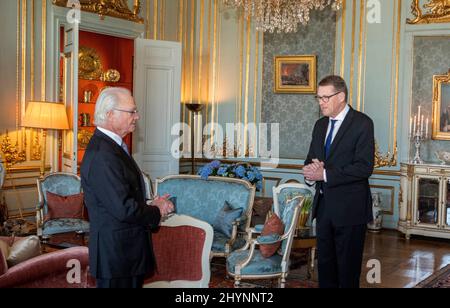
[
  {"x": 64, "y": 206},
  {"x": 273, "y": 225}
]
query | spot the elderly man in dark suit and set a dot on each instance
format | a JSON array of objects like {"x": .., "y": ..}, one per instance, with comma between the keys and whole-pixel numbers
[
  {"x": 120, "y": 247},
  {"x": 340, "y": 162}
]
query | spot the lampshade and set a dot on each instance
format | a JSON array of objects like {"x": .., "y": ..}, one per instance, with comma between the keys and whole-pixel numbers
[{"x": 46, "y": 115}]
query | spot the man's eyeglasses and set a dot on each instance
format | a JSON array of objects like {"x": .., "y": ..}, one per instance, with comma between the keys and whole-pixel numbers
[
  {"x": 132, "y": 112},
  {"x": 326, "y": 98}
]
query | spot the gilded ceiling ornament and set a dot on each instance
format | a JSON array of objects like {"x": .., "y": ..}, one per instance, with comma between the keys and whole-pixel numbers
[
  {"x": 89, "y": 65},
  {"x": 385, "y": 160},
  {"x": 113, "y": 8},
  {"x": 437, "y": 11}
]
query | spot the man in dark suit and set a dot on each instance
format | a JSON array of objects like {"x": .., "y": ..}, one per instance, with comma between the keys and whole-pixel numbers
[
  {"x": 120, "y": 248},
  {"x": 339, "y": 163}
]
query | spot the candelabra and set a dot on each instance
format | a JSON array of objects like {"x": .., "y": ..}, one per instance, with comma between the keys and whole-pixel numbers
[
  {"x": 418, "y": 138},
  {"x": 417, "y": 134}
]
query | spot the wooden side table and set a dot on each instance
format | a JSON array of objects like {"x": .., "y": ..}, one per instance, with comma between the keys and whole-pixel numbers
[{"x": 306, "y": 239}]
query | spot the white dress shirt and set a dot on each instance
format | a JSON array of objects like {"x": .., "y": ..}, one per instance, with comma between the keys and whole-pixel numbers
[{"x": 117, "y": 139}]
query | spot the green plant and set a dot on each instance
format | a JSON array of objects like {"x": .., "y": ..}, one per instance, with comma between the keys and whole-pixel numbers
[{"x": 307, "y": 205}]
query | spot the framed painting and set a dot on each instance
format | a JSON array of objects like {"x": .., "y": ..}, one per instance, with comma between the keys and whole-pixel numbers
[
  {"x": 441, "y": 107},
  {"x": 295, "y": 74}
]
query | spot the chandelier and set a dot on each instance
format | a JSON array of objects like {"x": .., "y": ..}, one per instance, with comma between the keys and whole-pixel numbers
[{"x": 280, "y": 15}]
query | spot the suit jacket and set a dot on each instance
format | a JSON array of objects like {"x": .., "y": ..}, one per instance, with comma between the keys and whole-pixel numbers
[
  {"x": 349, "y": 165},
  {"x": 119, "y": 240}
]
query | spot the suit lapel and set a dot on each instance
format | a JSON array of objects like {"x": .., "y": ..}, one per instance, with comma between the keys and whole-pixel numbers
[
  {"x": 129, "y": 160},
  {"x": 322, "y": 136},
  {"x": 341, "y": 132}
]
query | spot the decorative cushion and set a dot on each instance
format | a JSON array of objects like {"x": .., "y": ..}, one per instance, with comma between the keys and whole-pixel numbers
[
  {"x": 224, "y": 220},
  {"x": 24, "y": 249},
  {"x": 64, "y": 206},
  {"x": 4, "y": 252},
  {"x": 273, "y": 226}
]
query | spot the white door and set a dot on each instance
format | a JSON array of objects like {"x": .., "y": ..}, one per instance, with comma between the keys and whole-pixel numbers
[
  {"x": 70, "y": 92},
  {"x": 157, "y": 91}
]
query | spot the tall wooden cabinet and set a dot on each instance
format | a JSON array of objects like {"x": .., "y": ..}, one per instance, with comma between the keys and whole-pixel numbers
[{"x": 425, "y": 200}]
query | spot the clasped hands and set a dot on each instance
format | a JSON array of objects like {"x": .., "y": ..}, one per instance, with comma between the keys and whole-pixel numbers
[
  {"x": 163, "y": 204},
  {"x": 314, "y": 171}
]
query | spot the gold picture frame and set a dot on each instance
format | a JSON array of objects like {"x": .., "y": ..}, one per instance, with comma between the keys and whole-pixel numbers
[
  {"x": 441, "y": 107},
  {"x": 295, "y": 74}
]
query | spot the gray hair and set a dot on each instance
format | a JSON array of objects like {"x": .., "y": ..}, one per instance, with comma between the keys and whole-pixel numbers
[{"x": 108, "y": 99}]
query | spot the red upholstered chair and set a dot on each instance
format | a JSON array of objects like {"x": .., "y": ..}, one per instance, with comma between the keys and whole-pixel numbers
[
  {"x": 182, "y": 247},
  {"x": 47, "y": 271}
]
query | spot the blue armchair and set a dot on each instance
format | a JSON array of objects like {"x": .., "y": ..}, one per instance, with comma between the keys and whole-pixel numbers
[
  {"x": 63, "y": 184},
  {"x": 205, "y": 199},
  {"x": 249, "y": 263}
]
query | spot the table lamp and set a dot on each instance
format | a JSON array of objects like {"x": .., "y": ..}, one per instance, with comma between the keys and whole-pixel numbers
[{"x": 45, "y": 115}]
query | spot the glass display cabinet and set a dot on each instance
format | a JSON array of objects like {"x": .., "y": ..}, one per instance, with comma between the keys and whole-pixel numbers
[{"x": 425, "y": 200}]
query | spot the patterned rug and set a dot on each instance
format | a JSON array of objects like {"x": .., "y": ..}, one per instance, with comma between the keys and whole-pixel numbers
[
  {"x": 296, "y": 277},
  {"x": 440, "y": 279}
]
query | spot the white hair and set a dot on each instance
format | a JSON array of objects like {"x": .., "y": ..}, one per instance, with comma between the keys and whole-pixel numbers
[{"x": 108, "y": 99}]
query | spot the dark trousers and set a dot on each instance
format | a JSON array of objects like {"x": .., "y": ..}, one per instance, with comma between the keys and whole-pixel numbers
[
  {"x": 340, "y": 251},
  {"x": 121, "y": 283}
]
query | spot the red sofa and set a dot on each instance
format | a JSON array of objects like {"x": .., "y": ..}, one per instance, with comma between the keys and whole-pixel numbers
[{"x": 48, "y": 270}]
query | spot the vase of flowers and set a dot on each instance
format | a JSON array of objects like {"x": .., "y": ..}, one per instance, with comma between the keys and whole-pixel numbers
[{"x": 243, "y": 171}]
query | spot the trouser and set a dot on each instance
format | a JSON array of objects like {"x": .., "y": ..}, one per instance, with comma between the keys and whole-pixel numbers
[
  {"x": 340, "y": 251},
  {"x": 135, "y": 282}
]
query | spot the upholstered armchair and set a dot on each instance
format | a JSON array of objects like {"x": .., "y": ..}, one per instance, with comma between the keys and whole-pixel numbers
[
  {"x": 48, "y": 270},
  {"x": 182, "y": 247},
  {"x": 62, "y": 184},
  {"x": 207, "y": 200},
  {"x": 250, "y": 263}
]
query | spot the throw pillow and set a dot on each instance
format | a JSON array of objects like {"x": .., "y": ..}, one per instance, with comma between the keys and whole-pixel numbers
[
  {"x": 4, "y": 252},
  {"x": 24, "y": 249},
  {"x": 275, "y": 226},
  {"x": 225, "y": 218},
  {"x": 64, "y": 206}
]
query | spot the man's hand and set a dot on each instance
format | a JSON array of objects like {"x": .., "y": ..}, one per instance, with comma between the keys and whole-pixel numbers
[
  {"x": 314, "y": 171},
  {"x": 164, "y": 205}
]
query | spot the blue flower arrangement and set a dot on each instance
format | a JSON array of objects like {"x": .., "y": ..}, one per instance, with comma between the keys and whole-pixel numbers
[{"x": 241, "y": 171}]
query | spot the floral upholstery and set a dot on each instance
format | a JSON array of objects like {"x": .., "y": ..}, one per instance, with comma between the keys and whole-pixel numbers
[
  {"x": 63, "y": 184},
  {"x": 204, "y": 200},
  {"x": 248, "y": 263}
]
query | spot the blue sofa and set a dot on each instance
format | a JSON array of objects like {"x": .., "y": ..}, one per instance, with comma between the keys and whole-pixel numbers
[{"x": 204, "y": 200}]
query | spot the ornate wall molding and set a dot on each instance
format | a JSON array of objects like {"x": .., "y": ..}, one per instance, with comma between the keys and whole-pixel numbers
[
  {"x": 113, "y": 8},
  {"x": 437, "y": 11}
]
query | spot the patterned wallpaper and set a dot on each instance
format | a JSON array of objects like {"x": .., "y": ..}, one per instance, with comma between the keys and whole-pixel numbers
[
  {"x": 297, "y": 113},
  {"x": 431, "y": 57}
]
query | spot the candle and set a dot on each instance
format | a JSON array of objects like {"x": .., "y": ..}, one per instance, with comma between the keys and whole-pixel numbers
[
  {"x": 421, "y": 125},
  {"x": 418, "y": 115},
  {"x": 410, "y": 125},
  {"x": 426, "y": 127},
  {"x": 415, "y": 122}
]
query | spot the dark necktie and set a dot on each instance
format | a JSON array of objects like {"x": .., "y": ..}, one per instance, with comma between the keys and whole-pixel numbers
[
  {"x": 329, "y": 139},
  {"x": 125, "y": 148}
]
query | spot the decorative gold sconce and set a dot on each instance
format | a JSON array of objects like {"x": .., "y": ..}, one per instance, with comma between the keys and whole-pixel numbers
[
  {"x": 113, "y": 8},
  {"x": 438, "y": 12},
  {"x": 11, "y": 153},
  {"x": 386, "y": 160}
]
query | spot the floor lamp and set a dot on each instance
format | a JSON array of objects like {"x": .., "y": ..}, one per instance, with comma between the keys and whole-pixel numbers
[
  {"x": 45, "y": 115},
  {"x": 194, "y": 108}
]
